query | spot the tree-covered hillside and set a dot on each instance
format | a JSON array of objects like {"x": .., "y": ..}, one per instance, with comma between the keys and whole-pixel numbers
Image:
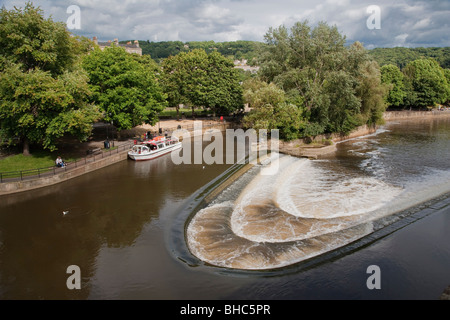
[
  {"x": 250, "y": 50},
  {"x": 402, "y": 56},
  {"x": 234, "y": 50}
]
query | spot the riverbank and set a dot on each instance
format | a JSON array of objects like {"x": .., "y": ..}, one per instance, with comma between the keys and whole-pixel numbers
[
  {"x": 62, "y": 174},
  {"x": 326, "y": 144},
  {"x": 407, "y": 115},
  {"x": 78, "y": 150},
  {"x": 321, "y": 146}
]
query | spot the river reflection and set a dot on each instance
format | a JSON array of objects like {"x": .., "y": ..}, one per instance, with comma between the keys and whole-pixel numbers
[
  {"x": 121, "y": 220},
  {"x": 107, "y": 211}
]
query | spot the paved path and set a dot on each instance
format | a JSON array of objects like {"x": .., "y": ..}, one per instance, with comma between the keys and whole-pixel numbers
[{"x": 42, "y": 178}]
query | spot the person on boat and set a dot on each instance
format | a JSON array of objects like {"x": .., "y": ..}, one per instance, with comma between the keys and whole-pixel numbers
[{"x": 59, "y": 162}]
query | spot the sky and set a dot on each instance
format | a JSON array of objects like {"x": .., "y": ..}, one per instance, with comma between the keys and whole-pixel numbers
[{"x": 375, "y": 23}]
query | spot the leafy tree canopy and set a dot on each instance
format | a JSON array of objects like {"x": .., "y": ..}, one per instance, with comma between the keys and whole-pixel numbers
[
  {"x": 392, "y": 76},
  {"x": 331, "y": 79},
  {"x": 125, "y": 87},
  {"x": 43, "y": 90},
  {"x": 272, "y": 109},
  {"x": 400, "y": 57},
  {"x": 426, "y": 83},
  {"x": 159, "y": 51},
  {"x": 198, "y": 79},
  {"x": 32, "y": 41}
]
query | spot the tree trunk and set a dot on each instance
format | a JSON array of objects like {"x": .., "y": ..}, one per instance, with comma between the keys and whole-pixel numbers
[
  {"x": 193, "y": 113},
  {"x": 178, "y": 112},
  {"x": 26, "y": 147}
]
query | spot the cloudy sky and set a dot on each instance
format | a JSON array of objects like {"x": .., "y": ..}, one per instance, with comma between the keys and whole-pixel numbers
[{"x": 407, "y": 23}]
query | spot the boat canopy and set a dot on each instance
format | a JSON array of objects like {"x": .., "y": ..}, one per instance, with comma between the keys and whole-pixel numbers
[{"x": 159, "y": 140}]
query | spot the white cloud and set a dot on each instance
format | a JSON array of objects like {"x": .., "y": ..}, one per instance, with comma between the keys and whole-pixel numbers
[
  {"x": 425, "y": 22},
  {"x": 400, "y": 40}
]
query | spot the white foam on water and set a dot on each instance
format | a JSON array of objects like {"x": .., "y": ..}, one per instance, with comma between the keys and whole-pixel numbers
[
  {"x": 212, "y": 243},
  {"x": 259, "y": 191},
  {"x": 303, "y": 211},
  {"x": 311, "y": 192},
  {"x": 310, "y": 201},
  {"x": 202, "y": 224}
]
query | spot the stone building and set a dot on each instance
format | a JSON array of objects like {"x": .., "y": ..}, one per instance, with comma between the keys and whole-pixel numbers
[
  {"x": 129, "y": 47},
  {"x": 238, "y": 64}
]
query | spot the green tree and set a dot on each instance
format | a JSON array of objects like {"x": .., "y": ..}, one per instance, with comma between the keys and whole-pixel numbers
[
  {"x": 183, "y": 78},
  {"x": 426, "y": 82},
  {"x": 197, "y": 79},
  {"x": 223, "y": 90},
  {"x": 176, "y": 80},
  {"x": 272, "y": 109},
  {"x": 263, "y": 99},
  {"x": 124, "y": 87},
  {"x": 326, "y": 73},
  {"x": 402, "y": 56},
  {"x": 39, "y": 108},
  {"x": 28, "y": 39},
  {"x": 447, "y": 77},
  {"x": 393, "y": 77},
  {"x": 368, "y": 87},
  {"x": 43, "y": 90}
]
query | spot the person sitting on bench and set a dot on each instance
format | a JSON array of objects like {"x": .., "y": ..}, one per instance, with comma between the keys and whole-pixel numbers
[{"x": 60, "y": 163}]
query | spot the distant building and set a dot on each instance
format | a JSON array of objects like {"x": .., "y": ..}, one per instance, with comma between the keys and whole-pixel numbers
[
  {"x": 129, "y": 47},
  {"x": 244, "y": 66}
]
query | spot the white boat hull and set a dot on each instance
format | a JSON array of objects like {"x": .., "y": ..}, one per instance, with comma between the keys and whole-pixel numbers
[{"x": 145, "y": 156}]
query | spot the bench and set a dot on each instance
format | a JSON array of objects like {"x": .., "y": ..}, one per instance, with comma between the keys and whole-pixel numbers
[{"x": 94, "y": 151}]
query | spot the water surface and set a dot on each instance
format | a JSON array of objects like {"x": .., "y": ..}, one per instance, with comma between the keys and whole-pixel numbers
[{"x": 127, "y": 227}]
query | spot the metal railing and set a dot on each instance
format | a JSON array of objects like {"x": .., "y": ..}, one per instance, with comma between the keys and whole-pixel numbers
[
  {"x": 103, "y": 153},
  {"x": 51, "y": 171}
]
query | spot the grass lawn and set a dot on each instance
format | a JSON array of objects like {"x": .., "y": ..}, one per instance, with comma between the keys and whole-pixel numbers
[{"x": 37, "y": 160}]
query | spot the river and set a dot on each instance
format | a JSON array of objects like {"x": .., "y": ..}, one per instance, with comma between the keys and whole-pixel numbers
[{"x": 136, "y": 230}]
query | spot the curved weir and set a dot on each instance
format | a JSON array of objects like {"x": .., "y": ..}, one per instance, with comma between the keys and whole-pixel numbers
[{"x": 306, "y": 209}]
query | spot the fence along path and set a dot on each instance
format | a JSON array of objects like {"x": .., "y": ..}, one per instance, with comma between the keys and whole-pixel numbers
[{"x": 96, "y": 154}]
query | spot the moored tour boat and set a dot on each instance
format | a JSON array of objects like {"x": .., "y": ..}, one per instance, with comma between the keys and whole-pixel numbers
[{"x": 154, "y": 148}]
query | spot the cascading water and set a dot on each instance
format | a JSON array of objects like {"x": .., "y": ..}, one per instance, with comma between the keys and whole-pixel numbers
[{"x": 310, "y": 207}]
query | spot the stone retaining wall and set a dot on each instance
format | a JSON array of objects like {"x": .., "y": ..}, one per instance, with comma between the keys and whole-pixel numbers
[
  {"x": 31, "y": 184},
  {"x": 404, "y": 115},
  {"x": 26, "y": 185},
  {"x": 301, "y": 148}
]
